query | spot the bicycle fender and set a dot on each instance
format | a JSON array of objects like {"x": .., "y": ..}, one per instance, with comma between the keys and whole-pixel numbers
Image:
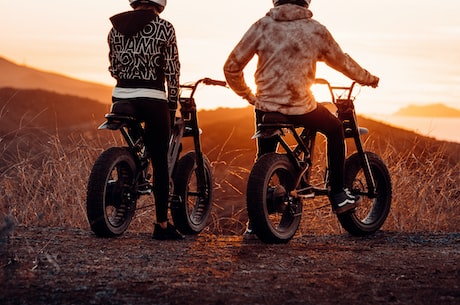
[
  {"x": 116, "y": 121},
  {"x": 112, "y": 125},
  {"x": 363, "y": 130}
]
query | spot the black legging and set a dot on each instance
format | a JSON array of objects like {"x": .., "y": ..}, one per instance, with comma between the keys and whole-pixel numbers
[
  {"x": 155, "y": 114},
  {"x": 322, "y": 120}
]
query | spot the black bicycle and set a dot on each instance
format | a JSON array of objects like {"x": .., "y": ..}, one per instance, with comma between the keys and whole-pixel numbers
[
  {"x": 121, "y": 175},
  {"x": 279, "y": 183}
]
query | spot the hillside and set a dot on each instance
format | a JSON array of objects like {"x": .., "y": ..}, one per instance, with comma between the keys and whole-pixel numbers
[
  {"x": 226, "y": 132},
  {"x": 31, "y": 117},
  {"x": 40, "y": 109},
  {"x": 23, "y": 77},
  {"x": 433, "y": 110}
]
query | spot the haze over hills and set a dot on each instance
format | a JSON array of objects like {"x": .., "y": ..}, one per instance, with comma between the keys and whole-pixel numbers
[
  {"x": 65, "y": 108},
  {"x": 433, "y": 110},
  {"x": 23, "y": 77}
]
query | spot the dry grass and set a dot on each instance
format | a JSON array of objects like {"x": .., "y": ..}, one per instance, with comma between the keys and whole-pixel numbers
[
  {"x": 426, "y": 192},
  {"x": 51, "y": 191}
]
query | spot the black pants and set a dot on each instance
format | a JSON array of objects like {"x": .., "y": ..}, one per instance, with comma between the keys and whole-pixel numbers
[
  {"x": 155, "y": 114},
  {"x": 321, "y": 120}
]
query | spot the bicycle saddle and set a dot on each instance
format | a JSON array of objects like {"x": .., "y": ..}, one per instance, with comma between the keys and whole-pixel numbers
[
  {"x": 274, "y": 118},
  {"x": 123, "y": 108}
]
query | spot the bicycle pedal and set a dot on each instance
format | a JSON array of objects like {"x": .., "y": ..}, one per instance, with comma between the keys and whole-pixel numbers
[
  {"x": 144, "y": 192},
  {"x": 144, "y": 189},
  {"x": 308, "y": 196},
  {"x": 175, "y": 201}
]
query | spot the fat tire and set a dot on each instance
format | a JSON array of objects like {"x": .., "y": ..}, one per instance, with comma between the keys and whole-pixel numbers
[
  {"x": 371, "y": 214},
  {"x": 106, "y": 192},
  {"x": 192, "y": 213},
  {"x": 260, "y": 213}
]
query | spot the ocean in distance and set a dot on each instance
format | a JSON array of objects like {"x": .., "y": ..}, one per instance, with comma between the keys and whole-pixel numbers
[{"x": 445, "y": 129}]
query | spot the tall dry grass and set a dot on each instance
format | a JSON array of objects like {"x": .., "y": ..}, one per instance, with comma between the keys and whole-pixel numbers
[{"x": 50, "y": 191}]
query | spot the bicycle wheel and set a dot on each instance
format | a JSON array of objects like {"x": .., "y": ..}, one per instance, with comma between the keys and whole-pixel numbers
[
  {"x": 371, "y": 213},
  {"x": 191, "y": 213},
  {"x": 111, "y": 197},
  {"x": 274, "y": 213}
]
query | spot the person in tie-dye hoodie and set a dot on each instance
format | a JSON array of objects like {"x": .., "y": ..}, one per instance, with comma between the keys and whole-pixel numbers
[{"x": 289, "y": 43}]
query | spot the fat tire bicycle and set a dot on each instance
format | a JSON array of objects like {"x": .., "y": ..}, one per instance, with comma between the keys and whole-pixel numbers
[
  {"x": 121, "y": 175},
  {"x": 279, "y": 182}
]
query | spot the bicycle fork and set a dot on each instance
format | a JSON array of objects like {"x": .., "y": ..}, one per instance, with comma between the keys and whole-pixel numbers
[
  {"x": 351, "y": 128},
  {"x": 195, "y": 132}
]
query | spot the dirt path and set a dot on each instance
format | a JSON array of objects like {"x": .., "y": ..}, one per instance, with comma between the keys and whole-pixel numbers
[{"x": 68, "y": 266}]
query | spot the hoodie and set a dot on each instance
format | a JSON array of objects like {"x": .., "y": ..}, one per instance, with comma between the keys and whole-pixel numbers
[
  {"x": 288, "y": 43},
  {"x": 143, "y": 55}
]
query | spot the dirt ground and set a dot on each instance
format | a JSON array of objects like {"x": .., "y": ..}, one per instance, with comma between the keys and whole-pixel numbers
[{"x": 70, "y": 266}]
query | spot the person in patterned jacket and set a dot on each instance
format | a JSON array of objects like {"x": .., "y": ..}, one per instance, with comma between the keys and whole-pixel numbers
[
  {"x": 289, "y": 43},
  {"x": 145, "y": 63}
]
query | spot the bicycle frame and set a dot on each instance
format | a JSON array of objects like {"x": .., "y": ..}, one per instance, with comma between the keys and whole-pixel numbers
[
  {"x": 301, "y": 155},
  {"x": 185, "y": 126}
]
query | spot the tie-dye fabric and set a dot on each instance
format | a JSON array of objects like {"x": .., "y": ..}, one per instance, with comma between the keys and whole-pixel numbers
[{"x": 288, "y": 43}]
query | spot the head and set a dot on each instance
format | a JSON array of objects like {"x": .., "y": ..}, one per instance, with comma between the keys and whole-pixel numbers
[
  {"x": 158, "y": 4},
  {"x": 304, "y": 3}
]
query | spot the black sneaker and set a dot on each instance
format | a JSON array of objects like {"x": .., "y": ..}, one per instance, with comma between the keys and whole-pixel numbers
[
  {"x": 170, "y": 233},
  {"x": 249, "y": 234},
  {"x": 344, "y": 201}
]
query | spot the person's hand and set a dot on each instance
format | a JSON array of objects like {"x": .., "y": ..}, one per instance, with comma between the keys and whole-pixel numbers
[
  {"x": 375, "y": 82},
  {"x": 251, "y": 99}
]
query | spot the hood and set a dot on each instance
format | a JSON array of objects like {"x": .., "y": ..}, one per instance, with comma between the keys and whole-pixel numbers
[
  {"x": 131, "y": 22},
  {"x": 289, "y": 12}
]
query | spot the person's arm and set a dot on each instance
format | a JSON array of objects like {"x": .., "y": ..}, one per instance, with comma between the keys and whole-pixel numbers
[
  {"x": 112, "y": 58},
  {"x": 334, "y": 57},
  {"x": 172, "y": 70},
  {"x": 243, "y": 52}
]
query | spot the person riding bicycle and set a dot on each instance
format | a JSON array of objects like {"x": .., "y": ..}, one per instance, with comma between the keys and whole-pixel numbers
[
  {"x": 143, "y": 57},
  {"x": 289, "y": 43}
]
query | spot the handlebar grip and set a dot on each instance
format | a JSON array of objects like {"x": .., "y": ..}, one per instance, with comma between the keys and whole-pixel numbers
[
  {"x": 321, "y": 81},
  {"x": 209, "y": 81}
]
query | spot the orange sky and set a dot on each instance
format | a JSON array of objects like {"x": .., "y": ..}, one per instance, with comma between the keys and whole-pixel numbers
[{"x": 412, "y": 45}]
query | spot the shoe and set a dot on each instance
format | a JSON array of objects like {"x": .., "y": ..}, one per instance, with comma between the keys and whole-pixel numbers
[
  {"x": 349, "y": 194},
  {"x": 249, "y": 234},
  {"x": 144, "y": 187},
  {"x": 344, "y": 201},
  {"x": 170, "y": 233}
]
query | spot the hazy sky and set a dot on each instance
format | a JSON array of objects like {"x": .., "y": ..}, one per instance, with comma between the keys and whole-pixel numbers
[{"x": 412, "y": 45}]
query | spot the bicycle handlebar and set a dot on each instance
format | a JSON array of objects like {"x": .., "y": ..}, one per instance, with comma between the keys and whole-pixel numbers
[
  {"x": 206, "y": 81},
  {"x": 322, "y": 81},
  {"x": 214, "y": 82}
]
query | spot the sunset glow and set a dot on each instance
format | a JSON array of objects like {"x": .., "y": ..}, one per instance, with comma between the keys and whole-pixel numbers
[{"x": 412, "y": 46}]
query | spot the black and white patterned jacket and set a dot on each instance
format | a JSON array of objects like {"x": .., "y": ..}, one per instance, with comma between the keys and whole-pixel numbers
[{"x": 144, "y": 56}]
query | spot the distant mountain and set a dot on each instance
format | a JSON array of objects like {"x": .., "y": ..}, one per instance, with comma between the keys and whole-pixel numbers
[
  {"x": 23, "y": 77},
  {"x": 433, "y": 110}
]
